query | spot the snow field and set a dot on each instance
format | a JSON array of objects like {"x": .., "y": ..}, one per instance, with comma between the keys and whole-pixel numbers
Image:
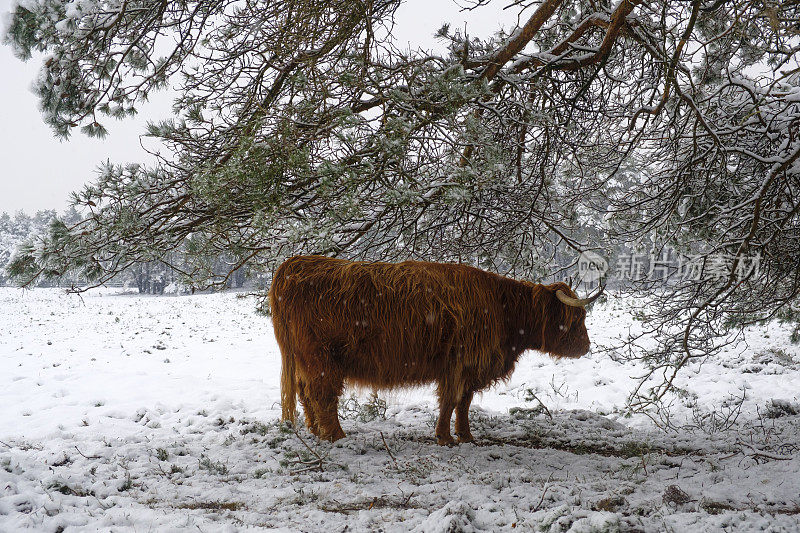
[{"x": 134, "y": 413}]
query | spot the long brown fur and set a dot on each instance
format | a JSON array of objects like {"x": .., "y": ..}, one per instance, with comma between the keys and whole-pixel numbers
[{"x": 392, "y": 325}]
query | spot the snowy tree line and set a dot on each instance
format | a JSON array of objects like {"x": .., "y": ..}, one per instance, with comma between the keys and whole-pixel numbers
[
  {"x": 20, "y": 227},
  {"x": 20, "y": 231}
]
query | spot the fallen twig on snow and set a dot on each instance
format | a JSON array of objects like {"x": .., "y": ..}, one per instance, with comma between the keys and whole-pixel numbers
[
  {"x": 388, "y": 450},
  {"x": 755, "y": 452},
  {"x": 315, "y": 464},
  {"x": 88, "y": 456}
]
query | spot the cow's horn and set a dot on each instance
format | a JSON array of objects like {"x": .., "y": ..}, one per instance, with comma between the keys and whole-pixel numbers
[{"x": 578, "y": 302}]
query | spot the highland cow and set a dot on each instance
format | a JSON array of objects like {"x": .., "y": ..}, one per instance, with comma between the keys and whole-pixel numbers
[{"x": 388, "y": 325}]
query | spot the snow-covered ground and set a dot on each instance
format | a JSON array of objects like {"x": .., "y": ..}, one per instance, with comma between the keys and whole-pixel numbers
[{"x": 140, "y": 413}]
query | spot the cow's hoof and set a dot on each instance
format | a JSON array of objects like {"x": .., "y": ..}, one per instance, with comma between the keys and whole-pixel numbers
[
  {"x": 445, "y": 440},
  {"x": 334, "y": 436},
  {"x": 463, "y": 438}
]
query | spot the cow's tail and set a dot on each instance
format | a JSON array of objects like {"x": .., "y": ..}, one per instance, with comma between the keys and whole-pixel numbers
[
  {"x": 288, "y": 387},
  {"x": 288, "y": 382}
]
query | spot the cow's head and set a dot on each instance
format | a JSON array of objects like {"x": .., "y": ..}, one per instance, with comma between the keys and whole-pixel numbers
[{"x": 565, "y": 329}]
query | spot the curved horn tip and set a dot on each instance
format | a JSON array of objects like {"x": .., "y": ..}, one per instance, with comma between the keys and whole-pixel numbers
[
  {"x": 578, "y": 302},
  {"x": 569, "y": 300},
  {"x": 596, "y": 296}
]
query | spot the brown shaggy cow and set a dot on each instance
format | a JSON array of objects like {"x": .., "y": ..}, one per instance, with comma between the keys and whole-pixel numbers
[{"x": 397, "y": 324}]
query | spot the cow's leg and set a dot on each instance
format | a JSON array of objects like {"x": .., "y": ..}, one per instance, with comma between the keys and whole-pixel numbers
[
  {"x": 308, "y": 408},
  {"x": 447, "y": 402},
  {"x": 326, "y": 398},
  {"x": 462, "y": 417},
  {"x": 322, "y": 384}
]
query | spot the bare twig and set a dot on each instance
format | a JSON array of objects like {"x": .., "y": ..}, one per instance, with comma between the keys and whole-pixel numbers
[
  {"x": 316, "y": 464},
  {"x": 757, "y": 453},
  {"x": 388, "y": 450},
  {"x": 88, "y": 456},
  {"x": 544, "y": 491}
]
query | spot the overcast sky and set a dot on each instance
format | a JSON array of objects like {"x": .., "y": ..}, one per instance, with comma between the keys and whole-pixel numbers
[{"x": 38, "y": 171}]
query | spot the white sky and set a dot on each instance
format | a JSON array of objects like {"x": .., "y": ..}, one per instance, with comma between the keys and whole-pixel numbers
[{"x": 37, "y": 171}]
